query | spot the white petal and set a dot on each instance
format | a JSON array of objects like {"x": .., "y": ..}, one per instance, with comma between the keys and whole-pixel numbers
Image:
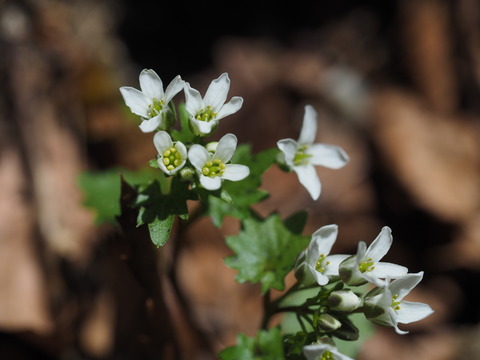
[
  {"x": 313, "y": 352},
  {"x": 175, "y": 86},
  {"x": 386, "y": 269},
  {"x": 226, "y": 148},
  {"x": 136, "y": 100},
  {"x": 332, "y": 262},
  {"x": 373, "y": 279},
  {"x": 319, "y": 277},
  {"x": 235, "y": 172},
  {"x": 403, "y": 285},
  {"x": 313, "y": 253},
  {"x": 217, "y": 92},
  {"x": 202, "y": 127},
  {"x": 198, "y": 156},
  {"x": 325, "y": 237},
  {"x": 230, "y": 108},
  {"x": 181, "y": 148},
  {"x": 289, "y": 149},
  {"x": 380, "y": 246},
  {"x": 394, "y": 321},
  {"x": 330, "y": 156},
  {"x": 210, "y": 183},
  {"x": 307, "y": 175},
  {"x": 151, "y": 84},
  {"x": 151, "y": 124},
  {"x": 361, "y": 251},
  {"x": 309, "y": 126},
  {"x": 413, "y": 311},
  {"x": 193, "y": 100},
  {"x": 162, "y": 141}
]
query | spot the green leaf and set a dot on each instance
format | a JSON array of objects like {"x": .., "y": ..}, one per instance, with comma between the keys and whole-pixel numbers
[
  {"x": 264, "y": 251},
  {"x": 266, "y": 345},
  {"x": 101, "y": 190},
  {"x": 158, "y": 210},
  {"x": 160, "y": 230},
  {"x": 242, "y": 193}
]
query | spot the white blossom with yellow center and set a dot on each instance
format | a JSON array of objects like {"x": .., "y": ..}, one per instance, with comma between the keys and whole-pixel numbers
[
  {"x": 206, "y": 112},
  {"x": 172, "y": 156},
  {"x": 214, "y": 167},
  {"x": 321, "y": 351},
  {"x": 318, "y": 265},
  {"x": 386, "y": 306},
  {"x": 365, "y": 266},
  {"x": 152, "y": 102},
  {"x": 302, "y": 155}
]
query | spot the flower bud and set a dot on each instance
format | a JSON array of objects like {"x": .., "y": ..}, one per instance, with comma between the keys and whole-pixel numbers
[
  {"x": 328, "y": 323},
  {"x": 212, "y": 146},
  {"x": 187, "y": 173},
  {"x": 343, "y": 300}
]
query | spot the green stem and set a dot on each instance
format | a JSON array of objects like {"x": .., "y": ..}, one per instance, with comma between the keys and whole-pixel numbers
[
  {"x": 166, "y": 184},
  {"x": 273, "y": 307}
]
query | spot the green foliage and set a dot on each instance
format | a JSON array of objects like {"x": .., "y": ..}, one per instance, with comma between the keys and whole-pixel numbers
[
  {"x": 238, "y": 196},
  {"x": 101, "y": 190},
  {"x": 266, "y": 345},
  {"x": 159, "y": 205},
  {"x": 265, "y": 251}
]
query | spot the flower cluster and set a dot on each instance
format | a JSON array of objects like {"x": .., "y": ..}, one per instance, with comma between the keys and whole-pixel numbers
[
  {"x": 184, "y": 156},
  {"x": 382, "y": 305},
  {"x": 155, "y": 107}
]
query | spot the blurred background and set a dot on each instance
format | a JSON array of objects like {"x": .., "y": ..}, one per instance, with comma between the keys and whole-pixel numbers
[{"x": 395, "y": 83}]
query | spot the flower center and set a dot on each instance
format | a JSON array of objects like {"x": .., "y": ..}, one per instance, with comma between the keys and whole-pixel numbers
[
  {"x": 367, "y": 265},
  {"x": 213, "y": 168},
  {"x": 395, "y": 304},
  {"x": 327, "y": 355},
  {"x": 301, "y": 157},
  {"x": 319, "y": 266},
  {"x": 155, "y": 108},
  {"x": 171, "y": 158},
  {"x": 206, "y": 114}
]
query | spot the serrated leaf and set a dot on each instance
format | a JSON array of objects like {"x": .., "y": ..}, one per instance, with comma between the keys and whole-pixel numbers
[
  {"x": 243, "y": 193},
  {"x": 158, "y": 210},
  {"x": 160, "y": 230},
  {"x": 264, "y": 252},
  {"x": 266, "y": 345}
]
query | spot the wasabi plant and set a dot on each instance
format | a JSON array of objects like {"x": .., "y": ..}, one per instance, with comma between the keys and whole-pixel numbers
[{"x": 336, "y": 297}]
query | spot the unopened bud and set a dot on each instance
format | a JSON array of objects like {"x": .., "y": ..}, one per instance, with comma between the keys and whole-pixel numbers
[
  {"x": 212, "y": 146},
  {"x": 328, "y": 323},
  {"x": 343, "y": 300},
  {"x": 187, "y": 173}
]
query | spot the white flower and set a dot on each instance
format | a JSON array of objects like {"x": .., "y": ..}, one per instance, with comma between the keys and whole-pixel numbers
[
  {"x": 152, "y": 103},
  {"x": 207, "y": 111},
  {"x": 318, "y": 265},
  {"x": 172, "y": 156},
  {"x": 213, "y": 168},
  {"x": 320, "y": 351},
  {"x": 301, "y": 156},
  {"x": 387, "y": 307},
  {"x": 365, "y": 266}
]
